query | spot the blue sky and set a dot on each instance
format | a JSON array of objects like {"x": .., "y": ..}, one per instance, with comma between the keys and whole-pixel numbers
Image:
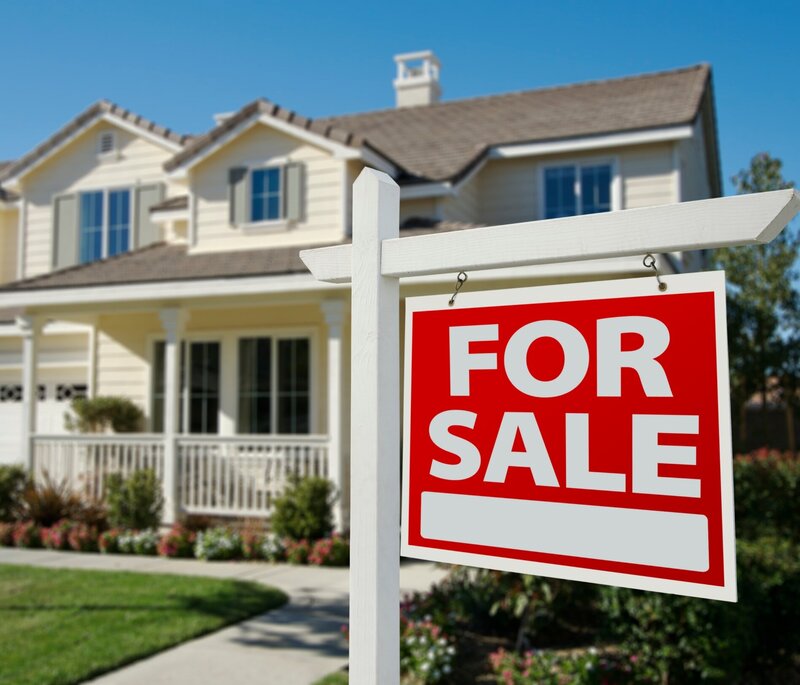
[{"x": 179, "y": 62}]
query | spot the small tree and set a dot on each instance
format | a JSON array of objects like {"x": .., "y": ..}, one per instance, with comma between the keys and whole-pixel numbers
[
  {"x": 135, "y": 502},
  {"x": 305, "y": 509},
  {"x": 762, "y": 299}
]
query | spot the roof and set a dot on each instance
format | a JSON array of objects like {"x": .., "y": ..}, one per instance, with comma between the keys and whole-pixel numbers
[
  {"x": 164, "y": 262},
  {"x": 171, "y": 203},
  {"x": 260, "y": 107},
  {"x": 85, "y": 118},
  {"x": 5, "y": 195},
  {"x": 442, "y": 141},
  {"x": 439, "y": 141}
]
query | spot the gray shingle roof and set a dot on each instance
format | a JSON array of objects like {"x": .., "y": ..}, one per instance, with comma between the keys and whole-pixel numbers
[
  {"x": 163, "y": 263},
  {"x": 171, "y": 203},
  {"x": 84, "y": 118},
  {"x": 437, "y": 142}
]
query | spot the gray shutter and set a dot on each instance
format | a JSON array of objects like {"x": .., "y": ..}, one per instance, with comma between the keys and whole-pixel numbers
[
  {"x": 147, "y": 231},
  {"x": 65, "y": 231},
  {"x": 237, "y": 195},
  {"x": 294, "y": 191}
]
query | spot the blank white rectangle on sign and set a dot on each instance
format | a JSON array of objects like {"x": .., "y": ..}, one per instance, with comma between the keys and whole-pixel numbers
[{"x": 635, "y": 536}]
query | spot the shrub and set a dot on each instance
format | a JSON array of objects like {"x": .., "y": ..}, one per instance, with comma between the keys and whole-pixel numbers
[
  {"x": 217, "y": 544},
  {"x": 297, "y": 551},
  {"x": 98, "y": 414},
  {"x": 177, "y": 542},
  {"x": 108, "y": 542},
  {"x": 27, "y": 534},
  {"x": 767, "y": 486},
  {"x": 49, "y": 502},
  {"x": 138, "y": 542},
  {"x": 253, "y": 540},
  {"x": 272, "y": 548},
  {"x": 304, "y": 510},
  {"x": 135, "y": 502},
  {"x": 332, "y": 551},
  {"x": 57, "y": 535},
  {"x": 576, "y": 667},
  {"x": 13, "y": 480},
  {"x": 82, "y": 538},
  {"x": 426, "y": 653},
  {"x": 6, "y": 534}
]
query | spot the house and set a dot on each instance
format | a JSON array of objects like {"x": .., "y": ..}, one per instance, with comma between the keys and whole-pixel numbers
[{"x": 164, "y": 267}]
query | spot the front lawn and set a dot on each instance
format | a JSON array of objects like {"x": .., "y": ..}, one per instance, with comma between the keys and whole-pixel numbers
[{"x": 63, "y": 626}]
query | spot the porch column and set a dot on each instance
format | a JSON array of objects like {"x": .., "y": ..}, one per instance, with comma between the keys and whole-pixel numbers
[
  {"x": 173, "y": 321},
  {"x": 333, "y": 311},
  {"x": 29, "y": 327}
]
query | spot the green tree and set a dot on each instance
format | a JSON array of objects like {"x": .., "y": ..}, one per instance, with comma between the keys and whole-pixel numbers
[{"x": 762, "y": 304}]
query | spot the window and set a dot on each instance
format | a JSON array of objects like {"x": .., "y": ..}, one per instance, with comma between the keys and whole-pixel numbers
[
  {"x": 265, "y": 194},
  {"x": 104, "y": 233},
  {"x": 274, "y": 385},
  {"x": 577, "y": 189}
]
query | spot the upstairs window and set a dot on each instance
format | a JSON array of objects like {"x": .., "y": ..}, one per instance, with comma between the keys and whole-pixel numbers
[
  {"x": 266, "y": 195},
  {"x": 575, "y": 189},
  {"x": 104, "y": 223}
]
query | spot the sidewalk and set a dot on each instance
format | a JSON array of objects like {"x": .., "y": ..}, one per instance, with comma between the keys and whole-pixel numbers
[{"x": 294, "y": 645}]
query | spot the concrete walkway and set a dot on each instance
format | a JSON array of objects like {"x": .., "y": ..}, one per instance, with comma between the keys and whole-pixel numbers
[{"x": 294, "y": 645}]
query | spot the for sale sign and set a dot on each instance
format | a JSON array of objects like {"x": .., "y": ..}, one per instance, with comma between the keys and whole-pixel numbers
[{"x": 577, "y": 431}]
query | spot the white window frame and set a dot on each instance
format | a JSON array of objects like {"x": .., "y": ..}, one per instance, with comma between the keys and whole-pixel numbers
[
  {"x": 266, "y": 225},
  {"x": 232, "y": 337},
  {"x": 106, "y": 217},
  {"x": 577, "y": 163}
]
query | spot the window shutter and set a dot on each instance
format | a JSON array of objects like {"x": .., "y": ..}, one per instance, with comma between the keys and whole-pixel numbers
[
  {"x": 237, "y": 195},
  {"x": 65, "y": 231},
  {"x": 294, "y": 191},
  {"x": 147, "y": 231}
]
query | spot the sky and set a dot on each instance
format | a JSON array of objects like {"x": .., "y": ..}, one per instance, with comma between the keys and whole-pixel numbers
[{"x": 178, "y": 62}]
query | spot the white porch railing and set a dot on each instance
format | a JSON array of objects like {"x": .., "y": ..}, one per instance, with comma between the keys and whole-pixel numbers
[
  {"x": 238, "y": 476},
  {"x": 84, "y": 462},
  {"x": 242, "y": 475}
]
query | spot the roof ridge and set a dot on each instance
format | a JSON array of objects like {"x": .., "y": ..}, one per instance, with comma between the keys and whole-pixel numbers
[{"x": 544, "y": 89}]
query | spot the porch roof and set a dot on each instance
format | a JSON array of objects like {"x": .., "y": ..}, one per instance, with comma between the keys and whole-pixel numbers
[{"x": 165, "y": 263}]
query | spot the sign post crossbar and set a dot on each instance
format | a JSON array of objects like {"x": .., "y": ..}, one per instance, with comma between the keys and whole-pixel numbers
[{"x": 376, "y": 261}]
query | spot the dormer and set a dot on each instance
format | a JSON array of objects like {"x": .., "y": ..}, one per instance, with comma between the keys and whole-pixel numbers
[{"x": 417, "y": 81}]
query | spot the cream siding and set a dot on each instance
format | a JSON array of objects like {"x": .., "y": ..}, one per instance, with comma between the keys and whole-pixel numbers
[
  {"x": 694, "y": 171},
  {"x": 465, "y": 204},
  {"x": 425, "y": 208},
  {"x": 647, "y": 176},
  {"x": 508, "y": 190},
  {"x": 79, "y": 168},
  {"x": 322, "y": 197},
  {"x": 9, "y": 228}
]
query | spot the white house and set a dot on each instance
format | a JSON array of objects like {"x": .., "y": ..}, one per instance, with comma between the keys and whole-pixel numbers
[{"x": 140, "y": 262}]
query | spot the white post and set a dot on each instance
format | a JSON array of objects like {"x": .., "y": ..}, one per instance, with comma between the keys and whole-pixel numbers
[
  {"x": 333, "y": 311},
  {"x": 173, "y": 321},
  {"x": 375, "y": 436},
  {"x": 30, "y": 328}
]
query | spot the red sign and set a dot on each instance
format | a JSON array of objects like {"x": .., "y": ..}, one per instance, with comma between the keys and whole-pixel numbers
[{"x": 579, "y": 431}]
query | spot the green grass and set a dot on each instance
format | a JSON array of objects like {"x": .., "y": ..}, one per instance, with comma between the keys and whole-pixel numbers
[
  {"x": 59, "y": 627},
  {"x": 338, "y": 678}
]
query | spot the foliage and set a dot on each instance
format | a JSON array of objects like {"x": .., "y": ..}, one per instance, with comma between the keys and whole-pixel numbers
[
  {"x": 332, "y": 551},
  {"x": 426, "y": 653},
  {"x": 767, "y": 487},
  {"x": 575, "y": 667},
  {"x": 177, "y": 542},
  {"x": 762, "y": 301},
  {"x": 139, "y": 542},
  {"x": 108, "y": 542},
  {"x": 27, "y": 534},
  {"x": 49, "y": 502},
  {"x": 13, "y": 480},
  {"x": 684, "y": 640},
  {"x": 136, "y": 501},
  {"x": 253, "y": 540},
  {"x": 77, "y": 625},
  {"x": 82, "y": 538},
  {"x": 218, "y": 544},
  {"x": 305, "y": 509},
  {"x": 297, "y": 551},
  {"x": 6, "y": 534},
  {"x": 272, "y": 548},
  {"x": 57, "y": 536},
  {"x": 98, "y": 414}
]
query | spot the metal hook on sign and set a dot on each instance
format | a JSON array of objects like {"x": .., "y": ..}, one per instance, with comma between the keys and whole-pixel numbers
[
  {"x": 649, "y": 262},
  {"x": 461, "y": 279}
]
